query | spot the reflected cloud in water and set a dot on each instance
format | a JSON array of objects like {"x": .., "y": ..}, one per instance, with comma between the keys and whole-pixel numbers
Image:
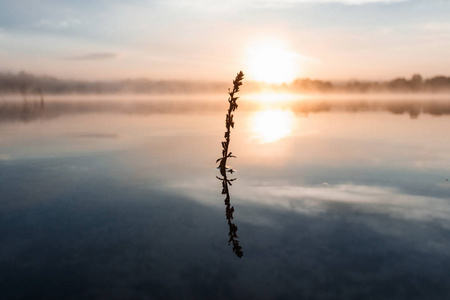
[{"x": 379, "y": 200}]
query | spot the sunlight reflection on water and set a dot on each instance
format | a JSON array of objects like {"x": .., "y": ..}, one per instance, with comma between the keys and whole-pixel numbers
[{"x": 269, "y": 126}]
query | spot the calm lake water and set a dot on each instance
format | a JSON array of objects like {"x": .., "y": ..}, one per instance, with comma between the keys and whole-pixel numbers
[{"x": 102, "y": 203}]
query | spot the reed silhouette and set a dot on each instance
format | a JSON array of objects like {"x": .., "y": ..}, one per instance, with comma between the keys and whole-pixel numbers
[{"x": 229, "y": 123}]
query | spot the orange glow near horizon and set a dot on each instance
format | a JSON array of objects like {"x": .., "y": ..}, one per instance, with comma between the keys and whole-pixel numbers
[{"x": 271, "y": 61}]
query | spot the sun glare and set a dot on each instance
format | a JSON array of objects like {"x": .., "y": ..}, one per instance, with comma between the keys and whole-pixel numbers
[
  {"x": 271, "y": 125},
  {"x": 271, "y": 62}
]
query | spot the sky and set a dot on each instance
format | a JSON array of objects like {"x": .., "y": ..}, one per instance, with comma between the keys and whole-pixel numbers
[{"x": 269, "y": 40}]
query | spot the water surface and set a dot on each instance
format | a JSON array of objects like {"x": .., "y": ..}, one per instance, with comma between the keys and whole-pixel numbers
[{"x": 329, "y": 204}]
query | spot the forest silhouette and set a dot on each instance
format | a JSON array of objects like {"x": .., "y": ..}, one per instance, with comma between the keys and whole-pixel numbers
[{"x": 22, "y": 82}]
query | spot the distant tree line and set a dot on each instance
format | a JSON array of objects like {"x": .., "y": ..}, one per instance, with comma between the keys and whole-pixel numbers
[
  {"x": 24, "y": 83},
  {"x": 415, "y": 84}
]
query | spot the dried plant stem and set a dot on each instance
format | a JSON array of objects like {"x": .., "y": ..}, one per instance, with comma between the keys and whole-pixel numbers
[{"x": 229, "y": 123}]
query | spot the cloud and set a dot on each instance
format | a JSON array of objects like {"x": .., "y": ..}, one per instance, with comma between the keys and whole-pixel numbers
[
  {"x": 348, "y": 2},
  {"x": 221, "y": 6},
  {"x": 94, "y": 135},
  {"x": 95, "y": 56},
  {"x": 64, "y": 24},
  {"x": 436, "y": 27},
  {"x": 290, "y": 3},
  {"x": 201, "y": 4}
]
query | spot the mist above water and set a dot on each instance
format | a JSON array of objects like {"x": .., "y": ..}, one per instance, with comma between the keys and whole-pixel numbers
[{"x": 15, "y": 108}]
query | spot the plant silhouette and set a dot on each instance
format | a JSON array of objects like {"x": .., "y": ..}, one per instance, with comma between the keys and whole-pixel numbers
[{"x": 229, "y": 123}]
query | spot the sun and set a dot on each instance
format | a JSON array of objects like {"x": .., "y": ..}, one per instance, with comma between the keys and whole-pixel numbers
[{"x": 272, "y": 62}]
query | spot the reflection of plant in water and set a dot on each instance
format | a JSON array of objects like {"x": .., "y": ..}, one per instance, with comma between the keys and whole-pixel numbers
[{"x": 229, "y": 123}]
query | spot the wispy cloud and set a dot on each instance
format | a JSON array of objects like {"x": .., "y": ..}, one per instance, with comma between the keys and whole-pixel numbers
[
  {"x": 289, "y": 3},
  {"x": 436, "y": 27},
  {"x": 348, "y": 2},
  {"x": 61, "y": 24},
  {"x": 214, "y": 5},
  {"x": 95, "y": 56}
]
